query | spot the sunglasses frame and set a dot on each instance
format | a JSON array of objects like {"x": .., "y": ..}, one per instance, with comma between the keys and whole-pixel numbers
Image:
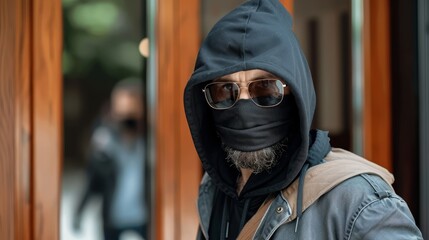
[{"x": 239, "y": 92}]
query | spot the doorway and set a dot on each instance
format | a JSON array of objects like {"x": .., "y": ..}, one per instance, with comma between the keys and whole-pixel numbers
[{"x": 105, "y": 52}]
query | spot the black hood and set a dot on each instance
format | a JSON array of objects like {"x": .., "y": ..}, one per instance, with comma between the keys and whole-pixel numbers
[{"x": 256, "y": 35}]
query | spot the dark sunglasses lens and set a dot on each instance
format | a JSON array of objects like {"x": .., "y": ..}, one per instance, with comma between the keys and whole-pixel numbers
[
  {"x": 266, "y": 93},
  {"x": 221, "y": 95}
]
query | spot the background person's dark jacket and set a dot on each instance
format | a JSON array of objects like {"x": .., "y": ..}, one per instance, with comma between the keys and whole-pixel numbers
[{"x": 101, "y": 179}]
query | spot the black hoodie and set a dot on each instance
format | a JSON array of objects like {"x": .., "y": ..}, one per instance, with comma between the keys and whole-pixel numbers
[{"x": 256, "y": 35}]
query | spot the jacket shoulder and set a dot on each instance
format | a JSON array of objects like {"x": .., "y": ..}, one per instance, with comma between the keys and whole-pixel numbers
[
  {"x": 361, "y": 207},
  {"x": 338, "y": 168},
  {"x": 373, "y": 209}
]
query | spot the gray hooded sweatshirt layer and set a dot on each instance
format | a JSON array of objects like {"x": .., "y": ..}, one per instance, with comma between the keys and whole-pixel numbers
[{"x": 258, "y": 35}]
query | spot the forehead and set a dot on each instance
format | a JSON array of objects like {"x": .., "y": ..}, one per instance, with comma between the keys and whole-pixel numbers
[
  {"x": 248, "y": 75},
  {"x": 125, "y": 100}
]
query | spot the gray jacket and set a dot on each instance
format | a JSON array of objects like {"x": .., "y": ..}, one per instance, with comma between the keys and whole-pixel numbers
[{"x": 346, "y": 197}]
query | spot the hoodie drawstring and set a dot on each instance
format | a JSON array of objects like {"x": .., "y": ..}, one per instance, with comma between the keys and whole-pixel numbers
[
  {"x": 225, "y": 216},
  {"x": 225, "y": 219},
  {"x": 300, "y": 193}
]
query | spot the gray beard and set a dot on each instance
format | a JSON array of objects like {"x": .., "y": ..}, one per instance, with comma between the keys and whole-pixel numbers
[{"x": 258, "y": 161}]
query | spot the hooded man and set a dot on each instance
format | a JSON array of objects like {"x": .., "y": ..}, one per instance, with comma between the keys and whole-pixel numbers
[{"x": 249, "y": 106}]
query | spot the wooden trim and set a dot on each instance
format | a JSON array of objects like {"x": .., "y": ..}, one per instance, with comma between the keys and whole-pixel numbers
[
  {"x": 190, "y": 167},
  {"x": 30, "y": 127},
  {"x": 47, "y": 116},
  {"x": 7, "y": 124},
  {"x": 15, "y": 121},
  {"x": 178, "y": 168},
  {"x": 377, "y": 80},
  {"x": 166, "y": 130},
  {"x": 23, "y": 121}
]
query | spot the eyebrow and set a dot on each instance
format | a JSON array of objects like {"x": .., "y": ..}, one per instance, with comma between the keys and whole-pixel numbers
[{"x": 262, "y": 76}]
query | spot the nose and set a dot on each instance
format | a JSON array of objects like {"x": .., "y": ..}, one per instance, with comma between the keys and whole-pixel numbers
[{"x": 244, "y": 92}]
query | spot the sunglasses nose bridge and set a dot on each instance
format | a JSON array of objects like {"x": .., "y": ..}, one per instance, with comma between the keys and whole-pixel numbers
[{"x": 244, "y": 92}]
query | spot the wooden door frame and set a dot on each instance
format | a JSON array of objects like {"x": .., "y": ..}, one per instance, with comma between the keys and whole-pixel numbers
[
  {"x": 15, "y": 122},
  {"x": 31, "y": 124},
  {"x": 178, "y": 170},
  {"x": 377, "y": 123}
]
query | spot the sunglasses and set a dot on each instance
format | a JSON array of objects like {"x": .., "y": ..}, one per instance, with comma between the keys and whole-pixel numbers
[{"x": 264, "y": 93}]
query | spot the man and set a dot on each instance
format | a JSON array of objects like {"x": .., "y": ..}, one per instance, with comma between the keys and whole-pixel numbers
[
  {"x": 249, "y": 106},
  {"x": 116, "y": 166}
]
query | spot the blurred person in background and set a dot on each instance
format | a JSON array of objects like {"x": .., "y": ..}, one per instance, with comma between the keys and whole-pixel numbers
[{"x": 116, "y": 166}]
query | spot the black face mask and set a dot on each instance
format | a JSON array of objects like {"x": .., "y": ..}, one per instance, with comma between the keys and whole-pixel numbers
[
  {"x": 129, "y": 124},
  {"x": 247, "y": 127}
]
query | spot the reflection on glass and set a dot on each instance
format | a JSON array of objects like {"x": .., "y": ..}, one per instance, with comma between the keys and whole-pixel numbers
[{"x": 105, "y": 189}]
